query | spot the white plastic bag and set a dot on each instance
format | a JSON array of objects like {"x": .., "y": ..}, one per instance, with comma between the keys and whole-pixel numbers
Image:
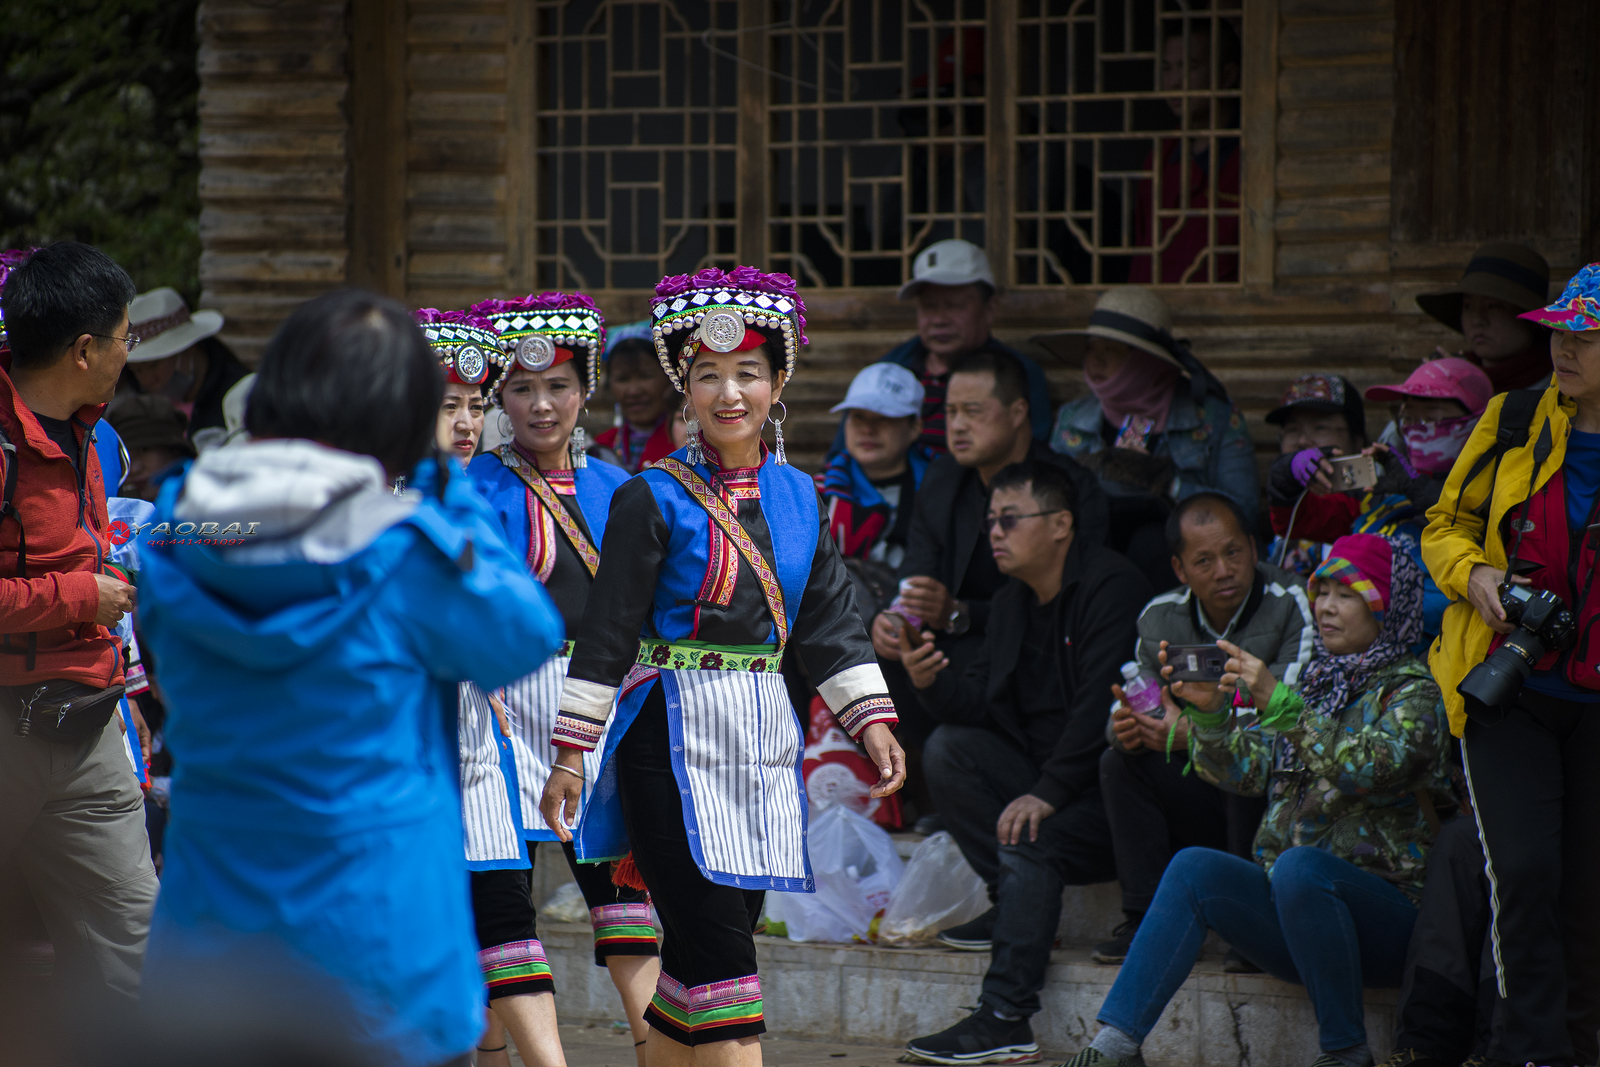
[
  {"x": 856, "y": 868},
  {"x": 939, "y": 890}
]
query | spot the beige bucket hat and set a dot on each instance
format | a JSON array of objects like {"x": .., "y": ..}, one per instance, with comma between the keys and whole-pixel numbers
[{"x": 1131, "y": 314}]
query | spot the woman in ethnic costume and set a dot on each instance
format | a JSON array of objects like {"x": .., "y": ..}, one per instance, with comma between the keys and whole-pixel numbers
[
  {"x": 721, "y": 565},
  {"x": 509, "y": 954},
  {"x": 552, "y": 501}
]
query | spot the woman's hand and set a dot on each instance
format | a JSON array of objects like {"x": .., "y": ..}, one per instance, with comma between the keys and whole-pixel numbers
[
  {"x": 1243, "y": 668},
  {"x": 922, "y": 662},
  {"x": 1207, "y": 696},
  {"x": 1312, "y": 470},
  {"x": 886, "y": 755},
  {"x": 563, "y": 792},
  {"x": 1483, "y": 592}
]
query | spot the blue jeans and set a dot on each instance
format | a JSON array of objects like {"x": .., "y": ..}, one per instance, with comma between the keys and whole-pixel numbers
[{"x": 1319, "y": 921}]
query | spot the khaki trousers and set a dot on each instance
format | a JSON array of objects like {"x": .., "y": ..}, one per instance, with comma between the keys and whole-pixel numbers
[{"x": 72, "y": 824}]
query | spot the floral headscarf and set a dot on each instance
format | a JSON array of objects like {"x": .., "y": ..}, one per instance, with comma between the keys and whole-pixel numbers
[{"x": 1331, "y": 682}]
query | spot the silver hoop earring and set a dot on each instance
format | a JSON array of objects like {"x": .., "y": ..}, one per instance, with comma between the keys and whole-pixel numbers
[
  {"x": 503, "y": 424},
  {"x": 777, "y": 432},
  {"x": 697, "y": 455}
]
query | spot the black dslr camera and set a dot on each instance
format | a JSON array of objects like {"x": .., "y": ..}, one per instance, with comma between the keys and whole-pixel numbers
[{"x": 1544, "y": 625}]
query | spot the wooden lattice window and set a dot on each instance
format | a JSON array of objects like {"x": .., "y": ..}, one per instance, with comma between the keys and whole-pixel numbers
[
  {"x": 1083, "y": 142},
  {"x": 637, "y": 134},
  {"x": 877, "y": 135},
  {"x": 1127, "y": 147}
]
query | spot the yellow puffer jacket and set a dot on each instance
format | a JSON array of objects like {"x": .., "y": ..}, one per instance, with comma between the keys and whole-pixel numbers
[{"x": 1457, "y": 538}]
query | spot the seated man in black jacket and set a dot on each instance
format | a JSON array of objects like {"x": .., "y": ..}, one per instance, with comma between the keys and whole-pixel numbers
[
  {"x": 948, "y": 574},
  {"x": 1016, "y": 761}
]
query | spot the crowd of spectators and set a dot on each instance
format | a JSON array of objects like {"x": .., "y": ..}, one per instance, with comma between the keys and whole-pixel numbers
[{"x": 1116, "y": 652}]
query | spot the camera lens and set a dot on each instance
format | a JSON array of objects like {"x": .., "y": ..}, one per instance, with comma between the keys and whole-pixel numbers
[{"x": 1492, "y": 685}]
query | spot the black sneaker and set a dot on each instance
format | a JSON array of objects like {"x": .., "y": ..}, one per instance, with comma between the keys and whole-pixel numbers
[
  {"x": 1410, "y": 1057},
  {"x": 974, "y": 936},
  {"x": 1236, "y": 962},
  {"x": 1116, "y": 950},
  {"x": 982, "y": 1037}
]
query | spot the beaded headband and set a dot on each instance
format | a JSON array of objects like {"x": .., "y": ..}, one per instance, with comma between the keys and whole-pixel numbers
[
  {"x": 467, "y": 345},
  {"x": 533, "y": 327},
  {"x": 714, "y": 308}
]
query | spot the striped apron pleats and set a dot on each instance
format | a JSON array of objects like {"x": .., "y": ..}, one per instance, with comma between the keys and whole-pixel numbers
[{"x": 490, "y": 826}]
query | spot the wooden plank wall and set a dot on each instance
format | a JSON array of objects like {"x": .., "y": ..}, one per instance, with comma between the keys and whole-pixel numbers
[
  {"x": 282, "y": 174},
  {"x": 273, "y": 155}
]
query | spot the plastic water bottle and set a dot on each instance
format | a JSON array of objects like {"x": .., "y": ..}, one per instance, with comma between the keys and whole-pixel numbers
[{"x": 1144, "y": 694}]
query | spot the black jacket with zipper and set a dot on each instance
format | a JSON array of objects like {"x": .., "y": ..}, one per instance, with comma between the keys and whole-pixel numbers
[{"x": 1096, "y": 624}]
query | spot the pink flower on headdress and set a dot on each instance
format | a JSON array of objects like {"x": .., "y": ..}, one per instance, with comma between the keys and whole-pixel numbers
[
  {"x": 672, "y": 285},
  {"x": 709, "y": 278},
  {"x": 466, "y": 318},
  {"x": 490, "y": 308},
  {"x": 780, "y": 283},
  {"x": 746, "y": 278},
  {"x": 15, "y": 257}
]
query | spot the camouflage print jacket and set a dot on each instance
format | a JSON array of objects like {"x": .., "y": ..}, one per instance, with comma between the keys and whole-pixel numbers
[{"x": 1350, "y": 783}]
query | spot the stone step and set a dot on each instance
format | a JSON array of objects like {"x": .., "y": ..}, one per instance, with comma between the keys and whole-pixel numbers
[{"x": 870, "y": 995}]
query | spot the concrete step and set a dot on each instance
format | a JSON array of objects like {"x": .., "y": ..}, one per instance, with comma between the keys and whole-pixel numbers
[{"x": 867, "y": 995}]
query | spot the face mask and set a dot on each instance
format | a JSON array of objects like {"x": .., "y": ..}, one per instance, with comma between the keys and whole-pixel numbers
[{"x": 1434, "y": 446}]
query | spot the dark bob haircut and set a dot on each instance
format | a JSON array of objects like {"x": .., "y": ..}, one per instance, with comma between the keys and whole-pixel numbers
[
  {"x": 1048, "y": 484},
  {"x": 1206, "y": 507},
  {"x": 59, "y": 294},
  {"x": 351, "y": 370}
]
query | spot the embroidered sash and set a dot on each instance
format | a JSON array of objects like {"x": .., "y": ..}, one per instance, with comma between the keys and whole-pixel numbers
[
  {"x": 552, "y": 504},
  {"x": 728, "y": 522}
]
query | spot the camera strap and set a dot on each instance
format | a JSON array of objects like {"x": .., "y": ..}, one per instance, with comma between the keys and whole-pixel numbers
[{"x": 1541, "y": 452}]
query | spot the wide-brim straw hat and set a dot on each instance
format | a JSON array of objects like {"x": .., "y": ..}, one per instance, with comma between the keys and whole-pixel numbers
[
  {"x": 1131, "y": 314},
  {"x": 1513, "y": 273},
  {"x": 165, "y": 326}
]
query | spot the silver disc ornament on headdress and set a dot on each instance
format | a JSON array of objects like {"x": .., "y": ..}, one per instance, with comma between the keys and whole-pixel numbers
[
  {"x": 467, "y": 345},
  {"x": 716, "y": 309},
  {"x": 533, "y": 327}
]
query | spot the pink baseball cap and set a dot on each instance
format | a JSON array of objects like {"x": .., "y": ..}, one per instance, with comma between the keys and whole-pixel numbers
[{"x": 1441, "y": 379}]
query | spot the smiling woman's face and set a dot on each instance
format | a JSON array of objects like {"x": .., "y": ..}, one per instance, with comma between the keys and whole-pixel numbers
[
  {"x": 543, "y": 406},
  {"x": 1343, "y": 618},
  {"x": 731, "y": 393}
]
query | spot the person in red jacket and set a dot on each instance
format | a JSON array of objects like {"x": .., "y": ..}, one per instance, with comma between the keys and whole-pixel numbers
[{"x": 71, "y": 811}]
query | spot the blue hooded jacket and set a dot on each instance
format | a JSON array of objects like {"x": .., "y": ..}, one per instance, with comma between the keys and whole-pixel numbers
[{"x": 310, "y": 675}]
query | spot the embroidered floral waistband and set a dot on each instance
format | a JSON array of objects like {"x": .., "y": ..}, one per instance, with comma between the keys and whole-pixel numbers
[{"x": 700, "y": 656}]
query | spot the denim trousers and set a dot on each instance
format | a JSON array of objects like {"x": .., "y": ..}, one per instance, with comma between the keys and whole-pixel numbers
[{"x": 1318, "y": 921}]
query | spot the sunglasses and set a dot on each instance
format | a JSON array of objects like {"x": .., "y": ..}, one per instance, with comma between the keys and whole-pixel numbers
[{"x": 1008, "y": 522}]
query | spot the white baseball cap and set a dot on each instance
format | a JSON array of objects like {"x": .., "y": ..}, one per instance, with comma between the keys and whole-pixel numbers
[
  {"x": 952, "y": 262},
  {"x": 886, "y": 388}
]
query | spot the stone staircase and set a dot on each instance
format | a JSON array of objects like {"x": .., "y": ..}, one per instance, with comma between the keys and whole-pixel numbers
[{"x": 863, "y": 994}]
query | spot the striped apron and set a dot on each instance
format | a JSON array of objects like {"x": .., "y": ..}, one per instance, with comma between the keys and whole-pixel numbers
[
  {"x": 490, "y": 817},
  {"x": 531, "y": 702},
  {"x": 737, "y": 746}
]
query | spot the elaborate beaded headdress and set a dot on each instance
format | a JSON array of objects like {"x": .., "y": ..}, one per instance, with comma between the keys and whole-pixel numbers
[
  {"x": 467, "y": 345},
  {"x": 9, "y": 258},
  {"x": 714, "y": 308},
  {"x": 534, "y": 331}
]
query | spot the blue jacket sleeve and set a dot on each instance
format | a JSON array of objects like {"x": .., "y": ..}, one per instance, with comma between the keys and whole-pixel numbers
[
  {"x": 1231, "y": 468},
  {"x": 477, "y": 615}
]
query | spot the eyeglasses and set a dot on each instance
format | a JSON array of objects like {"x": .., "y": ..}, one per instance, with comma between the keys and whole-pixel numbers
[
  {"x": 1009, "y": 522},
  {"x": 132, "y": 340}
]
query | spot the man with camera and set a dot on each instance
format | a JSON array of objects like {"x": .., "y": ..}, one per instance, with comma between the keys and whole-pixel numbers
[
  {"x": 1155, "y": 808},
  {"x": 1514, "y": 540},
  {"x": 71, "y": 811}
]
